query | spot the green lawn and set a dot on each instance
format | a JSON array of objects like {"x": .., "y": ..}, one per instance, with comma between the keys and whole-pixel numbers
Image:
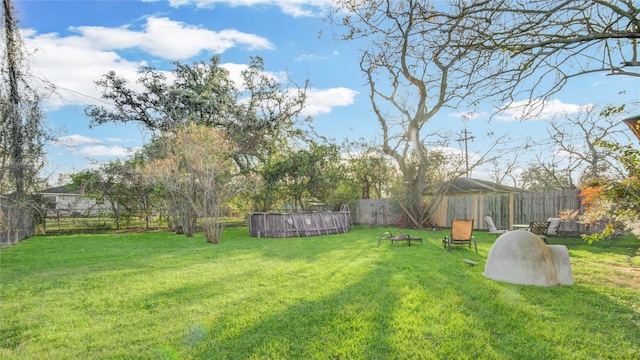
[{"x": 163, "y": 296}]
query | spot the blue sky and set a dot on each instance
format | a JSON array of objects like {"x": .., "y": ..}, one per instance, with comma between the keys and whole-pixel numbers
[{"x": 72, "y": 43}]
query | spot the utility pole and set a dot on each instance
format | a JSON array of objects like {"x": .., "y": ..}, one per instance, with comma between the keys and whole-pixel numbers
[{"x": 466, "y": 138}]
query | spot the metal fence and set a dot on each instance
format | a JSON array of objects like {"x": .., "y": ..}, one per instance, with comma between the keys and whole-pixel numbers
[
  {"x": 298, "y": 224},
  {"x": 16, "y": 224}
]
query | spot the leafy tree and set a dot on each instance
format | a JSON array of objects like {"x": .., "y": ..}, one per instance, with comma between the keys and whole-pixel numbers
[
  {"x": 302, "y": 177},
  {"x": 134, "y": 193},
  {"x": 369, "y": 169},
  {"x": 121, "y": 185},
  {"x": 260, "y": 119},
  {"x": 100, "y": 185},
  {"x": 259, "y": 115},
  {"x": 617, "y": 204},
  {"x": 90, "y": 183}
]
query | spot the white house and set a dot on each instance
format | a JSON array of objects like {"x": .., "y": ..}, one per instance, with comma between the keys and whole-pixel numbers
[{"x": 68, "y": 200}]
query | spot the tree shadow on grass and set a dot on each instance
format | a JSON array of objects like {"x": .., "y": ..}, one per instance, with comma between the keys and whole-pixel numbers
[
  {"x": 440, "y": 308},
  {"x": 352, "y": 299},
  {"x": 405, "y": 302},
  {"x": 626, "y": 247},
  {"x": 354, "y": 322}
]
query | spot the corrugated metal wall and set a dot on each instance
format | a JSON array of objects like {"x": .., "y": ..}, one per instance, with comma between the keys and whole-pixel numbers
[{"x": 284, "y": 225}]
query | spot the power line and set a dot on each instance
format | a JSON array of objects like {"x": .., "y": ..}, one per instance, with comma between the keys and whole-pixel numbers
[{"x": 56, "y": 88}]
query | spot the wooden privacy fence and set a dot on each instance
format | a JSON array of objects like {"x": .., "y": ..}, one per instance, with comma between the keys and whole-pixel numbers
[
  {"x": 506, "y": 209},
  {"x": 376, "y": 212},
  {"x": 511, "y": 208}
]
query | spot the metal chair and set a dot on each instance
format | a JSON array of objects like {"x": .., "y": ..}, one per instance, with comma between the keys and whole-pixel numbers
[
  {"x": 461, "y": 234},
  {"x": 397, "y": 238},
  {"x": 540, "y": 228}
]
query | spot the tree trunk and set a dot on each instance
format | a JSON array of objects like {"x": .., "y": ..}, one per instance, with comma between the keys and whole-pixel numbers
[{"x": 17, "y": 146}]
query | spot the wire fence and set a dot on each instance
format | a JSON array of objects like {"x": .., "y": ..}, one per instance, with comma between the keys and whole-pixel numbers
[{"x": 16, "y": 223}]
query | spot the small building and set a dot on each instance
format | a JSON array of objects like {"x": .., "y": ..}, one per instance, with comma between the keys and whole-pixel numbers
[
  {"x": 469, "y": 198},
  {"x": 465, "y": 185},
  {"x": 69, "y": 200}
]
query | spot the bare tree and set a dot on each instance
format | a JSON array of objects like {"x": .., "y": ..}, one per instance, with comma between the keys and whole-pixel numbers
[
  {"x": 572, "y": 153},
  {"x": 547, "y": 173},
  {"x": 579, "y": 137},
  {"x": 413, "y": 73},
  {"x": 193, "y": 168},
  {"x": 541, "y": 45},
  {"x": 504, "y": 170}
]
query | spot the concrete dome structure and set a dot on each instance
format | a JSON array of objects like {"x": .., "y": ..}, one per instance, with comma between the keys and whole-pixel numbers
[{"x": 520, "y": 257}]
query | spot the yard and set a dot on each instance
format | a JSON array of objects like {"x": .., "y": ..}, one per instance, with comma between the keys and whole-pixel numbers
[{"x": 164, "y": 296}]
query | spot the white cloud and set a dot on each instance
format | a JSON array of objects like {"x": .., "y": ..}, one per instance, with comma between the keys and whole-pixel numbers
[
  {"x": 310, "y": 57},
  {"x": 92, "y": 147},
  {"x": 73, "y": 63},
  {"x": 296, "y": 8},
  {"x": 468, "y": 115},
  {"x": 102, "y": 150},
  {"x": 235, "y": 72},
  {"x": 323, "y": 101},
  {"x": 73, "y": 68},
  {"x": 75, "y": 140},
  {"x": 539, "y": 110},
  {"x": 168, "y": 39},
  {"x": 119, "y": 140}
]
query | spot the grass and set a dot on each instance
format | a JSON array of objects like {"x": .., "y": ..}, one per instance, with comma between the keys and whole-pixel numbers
[{"x": 163, "y": 296}]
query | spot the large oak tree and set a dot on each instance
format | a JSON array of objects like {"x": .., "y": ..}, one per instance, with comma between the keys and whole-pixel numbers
[{"x": 260, "y": 115}]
